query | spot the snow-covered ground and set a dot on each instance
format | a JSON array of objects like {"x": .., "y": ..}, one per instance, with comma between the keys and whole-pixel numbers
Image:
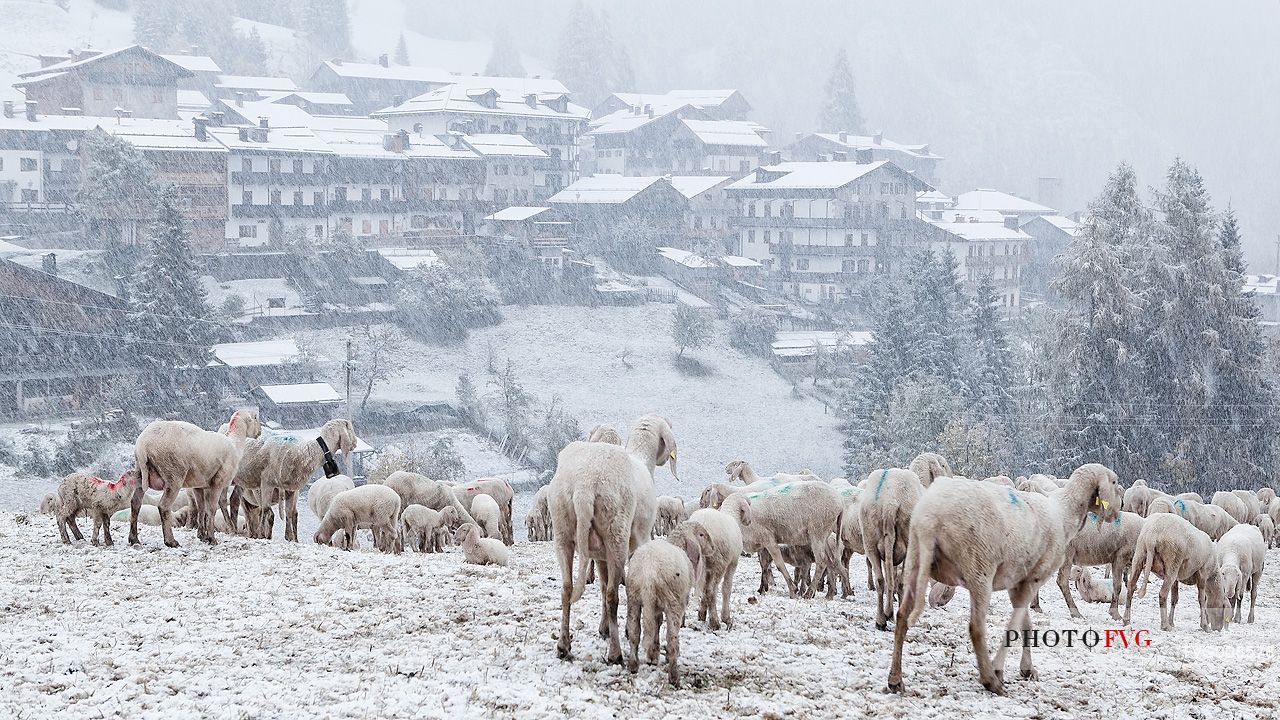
[{"x": 261, "y": 629}]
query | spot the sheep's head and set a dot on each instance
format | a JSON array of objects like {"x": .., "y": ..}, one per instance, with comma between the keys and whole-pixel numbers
[
  {"x": 320, "y": 538},
  {"x": 465, "y": 532},
  {"x": 1105, "y": 497},
  {"x": 1217, "y": 599},
  {"x": 735, "y": 469},
  {"x": 665, "y": 452},
  {"x": 449, "y": 517},
  {"x": 604, "y": 434},
  {"x": 741, "y": 504},
  {"x": 340, "y": 435},
  {"x": 50, "y": 503}
]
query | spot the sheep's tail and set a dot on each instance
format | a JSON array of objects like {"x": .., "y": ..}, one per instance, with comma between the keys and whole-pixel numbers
[
  {"x": 1148, "y": 557},
  {"x": 584, "y": 508},
  {"x": 915, "y": 571}
]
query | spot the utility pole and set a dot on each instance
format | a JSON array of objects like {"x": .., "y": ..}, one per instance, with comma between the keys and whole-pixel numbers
[
  {"x": 349, "y": 364},
  {"x": 1277, "y": 253}
]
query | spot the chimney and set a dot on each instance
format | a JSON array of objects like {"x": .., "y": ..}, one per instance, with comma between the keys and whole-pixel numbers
[
  {"x": 799, "y": 136},
  {"x": 775, "y": 157},
  {"x": 648, "y": 110},
  {"x": 635, "y": 109},
  {"x": 840, "y": 156},
  {"x": 218, "y": 118},
  {"x": 31, "y": 110},
  {"x": 397, "y": 100},
  {"x": 239, "y": 98},
  {"x": 202, "y": 128},
  {"x": 388, "y": 142},
  {"x": 8, "y": 109},
  {"x": 1011, "y": 222},
  {"x": 195, "y": 49},
  {"x": 877, "y": 139},
  {"x": 403, "y": 137},
  {"x": 383, "y": 60},
  {"x": 244, "y": 134},
  {"x": 49, "y": 263},
  {"x": 263, "y": 123},
  {"x": 337, "y": 61},
  {"x": 531, "y": 100},
  {"x": 843, "y": 137}
]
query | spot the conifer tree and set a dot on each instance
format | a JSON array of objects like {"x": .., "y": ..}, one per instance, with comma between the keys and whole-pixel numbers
[
  {"x": 504, "y": 60},
  {"x": 402, "y": 52},
  {"x": 991, "y": 379},
  {"x": 840, "y": 109}
]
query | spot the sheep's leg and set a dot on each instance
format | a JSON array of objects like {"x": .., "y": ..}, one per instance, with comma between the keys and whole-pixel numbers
[
  {"x": 652, "y": 623},
  {"x": 97, "y": 528},
  {"x": 775, "y": 554},
  {"x": 766, "y": 572},
  {"x": 167, "y": 498},
  {"x": 603, "y": 630},
  {"x": 135, "y": 506},
  {"x": 206, "y": 513},
  {"x": 1166, "y": 588},
  {"x": 871, "y": 585},
  {"x": 726, "y": 590},
  {"x": 846, "y": 555},
  {"x": 633, "y": 630},
  {"x": 105, "y": 520},
  {"x": 1117, "y": 578},
  {"x": 895, "y": 665},
  {"x": 878, "y": 565},
  {"x": 1019, "y": 595},
  {"x": 1253, "y": 594},
  {"x": 979, "y": 602},
  {"x": 62, "y": 528},
  {"x": 233, "y": 508},
  {"x": 1065, "y": 586},
  {"x": 75, "y": 529},
  {"x": 613, "y": 564},
  {"x": 289, "y": 509},
  {"x": 673, "y": 645}
]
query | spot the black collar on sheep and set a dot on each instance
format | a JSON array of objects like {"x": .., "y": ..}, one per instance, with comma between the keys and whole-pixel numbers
[{"x": 330, "y": 465}]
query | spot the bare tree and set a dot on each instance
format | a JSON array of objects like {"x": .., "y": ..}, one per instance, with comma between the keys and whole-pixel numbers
[{"x": 375, "y": 359}]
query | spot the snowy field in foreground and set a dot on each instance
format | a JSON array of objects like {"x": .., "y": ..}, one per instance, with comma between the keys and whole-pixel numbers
[{"x": 257, "y": 629}]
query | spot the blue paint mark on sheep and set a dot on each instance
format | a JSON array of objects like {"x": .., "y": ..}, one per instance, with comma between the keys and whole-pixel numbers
[
  {"x": 287, "y": 439},
  {"x": 1181, "y": 505},
  {"x": 1093, "y": 517},
  {"x": 880, "y": 485},
  {"x": 1013, "y": 499}
]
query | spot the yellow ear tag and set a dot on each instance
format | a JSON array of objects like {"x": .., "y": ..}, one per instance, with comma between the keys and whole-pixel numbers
[
  {"x": 1099, "y": 501},
  {"x": 673, "y": 454}
]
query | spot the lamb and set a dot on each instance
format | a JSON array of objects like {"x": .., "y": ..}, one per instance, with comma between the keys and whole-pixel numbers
[
  {"x": 670, "y": 514},
  {"x": 721, "y": 548},
  {"x": 172, "y": 455},
  {"x": 322, "y": 492},
  {"x": 1268, "y": 529},
  {"x": 420, "y": 526},
  {"x": 1212, "y": 519},
  {"x": 98, "y": 498},
  {"x": 1234, "y": 505},
  {"x": 603, "y": 506},
  {"x": 290, "y": 462},
  {"x": 479, "y": 550},
  {"x": 1092, "y": 589},
  {"x": 604, "y": 434},
  {"x": 538, "y": 521},
  {"x": 1179, "y": 552},
  {"x": 375, "y": 507},
  {"x": 1241, "y": 554},
  {"x": 1109, "y": 544},
  {"x": 885, "y": 515},
  {"x": 487, "y": 515},
  {"x": 147, "y": 515},
  {"x": 49, "y": 503},
  {"x": 501, "y": 492},
  {"x": 659, "y": 577},
  {"x": 415, "y": 489},
  {"x": 986, "y": 538},
  {"x": 929, "y": 466},
  {"x": 246, "y": 487},
  {"x": 1265, "y": 496},
  {"x": 802, "y": 513}
]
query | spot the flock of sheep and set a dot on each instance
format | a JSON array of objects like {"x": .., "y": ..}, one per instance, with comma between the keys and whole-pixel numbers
[{"x": 914, "y": 526}]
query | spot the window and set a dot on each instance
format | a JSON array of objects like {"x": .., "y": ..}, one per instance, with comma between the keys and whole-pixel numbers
[
  {"x": 340, "y": 194},
  {"x": 501, "y": 170},
  {"x": 751, "y": 236},
  {"x": 274, "y": 166},
  {"x": 744, "y": 166},
  {"x": 275, "y": 197},
  {"x": 27, "y": 165},
  {"x": 848, "y": 240},
  {"x": 248, "y": 231},
  {"x": 866, "y": 239},
  {"x": 297, "y": 197},
  {"x": 768, "y": 236},
  {"x": 366, "y": 194},
  {"x": 246, "y": 198},
  {"x": 246, "y": 165},
  {"x": 317, "y": 198},
  {"x": 366, "y": 226},
  {"x": 864, "y": 266},
  {"x": 385, "y": 195},
  {"x": 768, "y": 209},
  {"x": 30, "y": 195},
  {"x": 319, "y": 231},
  {"x": 383, "y": 228},
  {"x": 297, "y": 166},
  {"x": 848, "y": 265},
  {"x": 1, "y": 163}
]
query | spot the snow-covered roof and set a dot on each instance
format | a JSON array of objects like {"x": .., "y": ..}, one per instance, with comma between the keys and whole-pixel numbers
[
  {"x": 803, "y": 343},
  {"x": 814, "y": 175},
  {"x": 315, "y": 98},
  {"x": 252, "y": 82},
  {"x": 934, "y": 197},
  {"x": 375, "y": 71},
  {"x": 981, "y": 230},
  {"x": 65, "y": 66},
  {"x": 978, "y": 216},
  {"x": 257, "y": 353},
  {"x": 192, "y": 99},
  {"x": 603, "y": 189},
  {"x": 194, "y": 63},
  {"x": 468, "y": 99},
  {"x": 987, "y": 199},
  {"x": 726, "y": 132},
  {"x": 410, "y": 258},
  {"x": 685, "y": 258},
  {"x": 517, "y": 213},
  {"x": 1262, "y": 284},
  {"x": 692, "y": 186},
  {"x": 739, "y": 261},
  {"x": 666, "y": 102},
  {"x": 503, "y": 145},
  {"x": 1065, "y": 224},
  {"x": 294, "y": 139},
  {"x": 879, "y": 142},
  {"x": 320, "y": 392},
  {"x": 626, "y": 120}
]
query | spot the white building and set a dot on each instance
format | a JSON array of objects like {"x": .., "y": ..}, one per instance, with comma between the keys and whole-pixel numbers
[{"x": 984, "y": 247}]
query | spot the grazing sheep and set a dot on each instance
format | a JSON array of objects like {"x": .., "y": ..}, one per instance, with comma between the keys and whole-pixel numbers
[
  {"x": 987, "y": 538},
  {"x": 98, "y": 498},
  {"x": 1234, "y": 505},
  {"x": 538, "y": 521},
  {"x": 670, "y": 513},
  {"x": 1179, "y": 552},
  {"x": 415, "y": 489},
  {"x": 802, "y": 513},
  {"x": 1092, "y": 589},
  {"x": 479, "y": 550},
  {"x": 1110, "y": 544},
  {"x": 1268, "y": 529},
  {"x": 1265, "y": 496},
  {"x": 501, "y": 492},
  {"x": 885, "y": 516},
  {"x": 1190, "y": 496},
  {"x": 49, "y": 503},
  {"x": 839, "y": 483},
  {"x": 1252, "y": 505},
  {"x": 603, "y": 505},
  {"x": 290, "y": 461},
  {"x": 323, "y": 490},
  {"x": 1274, "y": 512},
  {"x": 375, "y": 507},
  {"x": 172, "y": 455},
  {"x": 740, "y": 470},
  {"x": 929, "y": 466},
  {"x": 1138, "y": 497},
  {"x": 421, "y": 526},
  {"x": 1212, "y": 519},
  {"x": 1241, "y": 554},
  {"x": 721, "y": 548},
  {"x": 659, "y": 577},
  {"x": 604, "y": 434},
  {"x": 1039, "y": 483},
  {"x": 246, "y": 487},
  {"x": 487, "y": 515}
]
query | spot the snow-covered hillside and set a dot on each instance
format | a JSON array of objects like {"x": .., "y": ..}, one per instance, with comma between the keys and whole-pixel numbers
[
  {"x": 266, "y": 629},
  {"x": 32, "y": 27}
]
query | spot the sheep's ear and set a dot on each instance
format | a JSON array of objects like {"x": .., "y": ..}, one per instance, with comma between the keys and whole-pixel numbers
[
  {"x": 667, "y": 449},
  {"x": 745, "y": 504},
  {"x": 694, "y": 551}
]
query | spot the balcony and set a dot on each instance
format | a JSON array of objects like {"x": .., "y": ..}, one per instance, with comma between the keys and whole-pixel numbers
[
  {"x": 244, "y": 177},
  {"x": 241, "y": 210},
  {"x": 845, "y": 222},
  {"x": 866, "y": 251},
  {"x": 373, "y": 205}
]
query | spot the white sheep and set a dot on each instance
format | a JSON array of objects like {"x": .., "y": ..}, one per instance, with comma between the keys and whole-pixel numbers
[
  {"x": 148, "y": 515},
  {"x": 1268, "y": 529},
  {"x": 669, "y": 514},
  {"x": 604, "y": 434},
  {"x": 986, "y": 538},
  {"x": 323, "y": 490},
  {"x": 49, "y": 503},
  {"x": 1265, "y": 496},
  {"x": 1092, "y": 589},
  {"x": 1241, "y": 555},
  {"x": 501, "y": 492},
  {"x": 1110, "y": 544},
  {"x": 603, "y": 505},
  {"x": 421, "y": 526},
  {"x": 839, "y": 483},
  {"x": 929, "y": 466},
  {"x": 659, "y": 577},
  {"x": 1212, "y": 519},
  {"x": 1179, "y": 552},
  {"x": 291, "y": 460},
  {"x": 479, "y": 550},
  {"x": 415, "y": 489},
  {"x": 1190, "y": 496},
  {"x": 1138, "y": 497},
  {"x": 488, "y": 516},
  {"x": 1252, "y": 505},
  {"x": 1039, "y": 483},
  {"x": 172, "y": 455},
  {"x": 742, "y": 471},
  {"x": 884, "y": 511},
  {"x": 1234, "y": 505},
  {"x": 375, "y": 507},
  {"x": 97, "y": 498},
  {"x": 721, "y": 548},
  {"x": 538, "y": 521},
  {"x": 1274, "y": 512}
]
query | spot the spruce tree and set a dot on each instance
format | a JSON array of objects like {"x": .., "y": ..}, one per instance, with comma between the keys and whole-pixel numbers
[
  {"x": 865, "y": 404},
  {"x": 991, "y": 380},
  {"x": 840, "y": 110},
  {"x": 116, "y": 190},
  {"x": 169, "y": 317},
  {"x": 937, "y": 306},
  {"x": 617, "y": 61},
  {"x": 591, "y": 63},
  {"x": 402, "y": 51},
  {"x": 328, "y": 25},
  {"x": 504, "y": 60}
]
